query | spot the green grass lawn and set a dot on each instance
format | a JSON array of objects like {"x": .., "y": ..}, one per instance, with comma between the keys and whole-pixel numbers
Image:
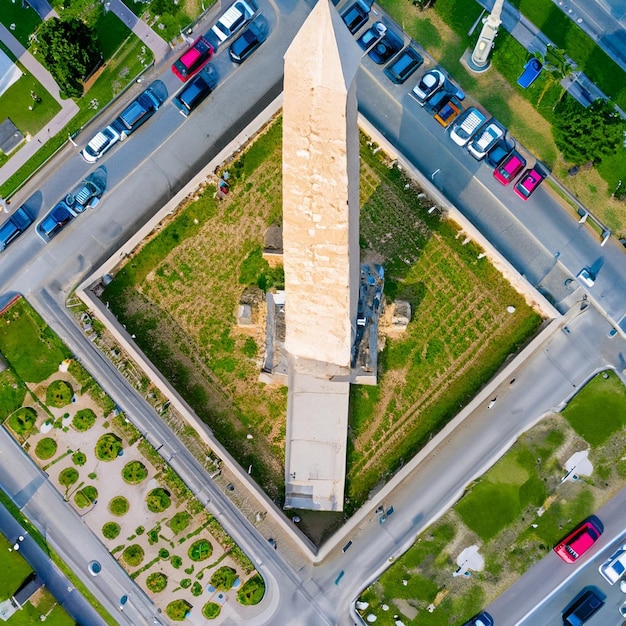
[
  {"x": 34, "y": 351},
  {"x": 598, "y": 411},
  {"x": 13, "y": 567},
  {"x": 12, "y": 393},
  {"x": 500, "y": 513},
  {"x": 24, "y": 18}
]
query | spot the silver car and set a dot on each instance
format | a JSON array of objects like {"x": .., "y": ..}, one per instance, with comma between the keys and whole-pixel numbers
[{"x": 615, "y": 567}]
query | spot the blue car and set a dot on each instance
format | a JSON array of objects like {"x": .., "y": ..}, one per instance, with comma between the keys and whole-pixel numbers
[{"x": 532, "y": 69}]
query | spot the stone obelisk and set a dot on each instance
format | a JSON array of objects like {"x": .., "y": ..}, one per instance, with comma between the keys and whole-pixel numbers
[{"x": 320, "y": 252}]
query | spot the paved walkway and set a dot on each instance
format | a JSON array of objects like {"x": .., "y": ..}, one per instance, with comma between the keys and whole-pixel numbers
[
  {"x": 68, "y": 107},
  {"x": 160, "y": 48}
]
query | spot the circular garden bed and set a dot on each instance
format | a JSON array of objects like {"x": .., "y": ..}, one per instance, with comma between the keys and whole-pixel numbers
[
  {"x": 224, "y": 578},
  {"x": 134, "y": 472},
  {"x": 59, "y": 394},
  {"x": 119, "y": 506},
  {"x": 211, "y": 610},
  {"x": 200, "y": 550},
  {"x": 22, "y": 421},
  {"x": 68, "y": 477},
  {"x": 86, "y": 496},
  {"x": 252, "y": 591},
  {"x": 158, "y": 500},
  {"x": 46, "y": 448},
  {"x": 111, "y": 530},
  {"x": 108, "y": 447},
  {"x": 84, "y": 420},
  {"x": 178, "y": 610},
  {"x": 133, "y": 555},
  {"x": 156, "y": 582}
]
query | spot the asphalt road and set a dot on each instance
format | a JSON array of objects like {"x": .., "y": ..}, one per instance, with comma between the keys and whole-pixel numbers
[{"x": 156, "y": 161}]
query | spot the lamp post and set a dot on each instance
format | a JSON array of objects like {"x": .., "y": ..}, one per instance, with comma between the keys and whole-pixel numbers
[{"x": 479, "y": 60}]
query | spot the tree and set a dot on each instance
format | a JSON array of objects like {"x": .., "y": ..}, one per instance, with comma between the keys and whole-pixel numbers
[
  {"x": 587, "y": 134},
  {"x": 70, "y": 52}
]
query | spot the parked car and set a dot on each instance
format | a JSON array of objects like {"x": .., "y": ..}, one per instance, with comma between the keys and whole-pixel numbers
[
  {"x": 85, "y": 196},
  {"x": 578, "y": 541},
  {"x": 615, "y": 567},
  {"x": 583, "y": 608},
  {"x": 447, "y": 110},
  {"x": 372, "y": 35},
  {"x": 486, "y": 139},
  {"x": 17, "y": 223},
  {"x": 195, "y": 92},
  {"x": 137, "y": 113},
  {"x": 586, "y": 277},
  {"x": 499, "y": 151},
  {"x": 102, "y": 142},
  {"x": 532, "y": 69},
  {"x": 192, "y": 61},
  {"x": 482, "y": 619},
  {"x": 529, "y": 181},
  {"x": 355, "y": 16},
  {"x": 246, "y": 43},
  {"x": 466, "y": 126},
  {"x": 387, "y": 47},
  {"x": 403, "y": 65},
  {"x": 429, "y": 84},
  {"x": 509, "y": 168},
  {"x": 54, "y": 221},
  {"x": 234, "y": 19}
]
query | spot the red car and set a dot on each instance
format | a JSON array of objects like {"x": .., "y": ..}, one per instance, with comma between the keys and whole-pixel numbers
[
  {"x": 578, "y": 541},
  {"x": 509, "y": 168},
  {"x": 530, "y": 180},
  {"x": 193, "y": 60}
]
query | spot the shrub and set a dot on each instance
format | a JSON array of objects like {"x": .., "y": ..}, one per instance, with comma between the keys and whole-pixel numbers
[
  {"x": 179, "y": 522},
  {"x": 133, "y": 555},
  {"x": 224, "y": 578},
  {"x": 252, "y": 591},
  {"x": 185, "y": 583},
  {"x": 111, "y": 530},
  {"x": 46, "y": 448},
  {"x": 178, "y": 610},
  {"x": 22, "y": 421},
  {"x": 59, "y": 394},
  {"x": 68, "y": 477},
  {"x": 158, "y": 500},
  {"x": 176, "y": 561},
  {"x": 119, "y": 506},
  {"x": 79, "y": 458},
  {"x": 134, "y": 472},
  {"x": 196, "y": 589},
  {"x": 108, "y": 447},
  {"x": 140, "y": 530},
  {"x": 164, "y": 554},
  {"x": 84, "y": 420},
  {"x": 156, "y": 582},
  {"x": 211, "y": 610},
  {"x": 200, "y": 550}
]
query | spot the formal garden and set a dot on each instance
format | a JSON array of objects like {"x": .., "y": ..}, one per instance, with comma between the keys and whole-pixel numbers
[
  {"x": 530, "y": 510},
  {"x": 115, "y": 480}
]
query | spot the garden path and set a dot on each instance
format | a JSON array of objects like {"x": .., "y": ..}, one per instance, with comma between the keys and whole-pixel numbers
[{"x": 160, "y": 48}]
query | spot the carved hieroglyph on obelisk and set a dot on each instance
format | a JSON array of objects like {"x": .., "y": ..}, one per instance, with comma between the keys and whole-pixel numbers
[
  {"x": 321, "y": 189},
  {"x": 320, "y": 253}
]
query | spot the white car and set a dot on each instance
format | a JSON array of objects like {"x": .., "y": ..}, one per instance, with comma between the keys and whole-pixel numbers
[
  {"x": 585, "y": 277},
  {"x": 234, "y": 19},
  {"x": 615, "y": 567},
  {"x": 428, "y": 86},
  {"x": 486, "y": 139},
  {"x": 467, "y": 125},
  {"x": 100, "y": 144}
]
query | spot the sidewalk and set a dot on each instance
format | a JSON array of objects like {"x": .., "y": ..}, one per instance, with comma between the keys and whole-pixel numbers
[
  {"x": 68, "y": 107},
  {"x": 160, "y": 48}
]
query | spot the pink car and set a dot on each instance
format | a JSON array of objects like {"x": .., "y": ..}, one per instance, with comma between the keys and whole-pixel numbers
[
  {"x": 530, "y": 180},
  {"x": 509, "y": 168}
]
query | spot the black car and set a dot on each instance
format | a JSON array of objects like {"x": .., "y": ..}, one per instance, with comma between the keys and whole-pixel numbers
[
  {"x": 403, "y": 65},
  {"x": 14, "y": 227},
  {"x": 138, "y": 112},
  {"x": 372, "y": 35},
  {"x": 54, "y": 221},
  {"x": 246, "y": 44},
  {"x": 389, "y": 45},
  {"x": 195, "y": 91},
  {"x": 355, "y": 17},
  {"x": 482, "y": 619},
  {"x": 586, "y": 605}
]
